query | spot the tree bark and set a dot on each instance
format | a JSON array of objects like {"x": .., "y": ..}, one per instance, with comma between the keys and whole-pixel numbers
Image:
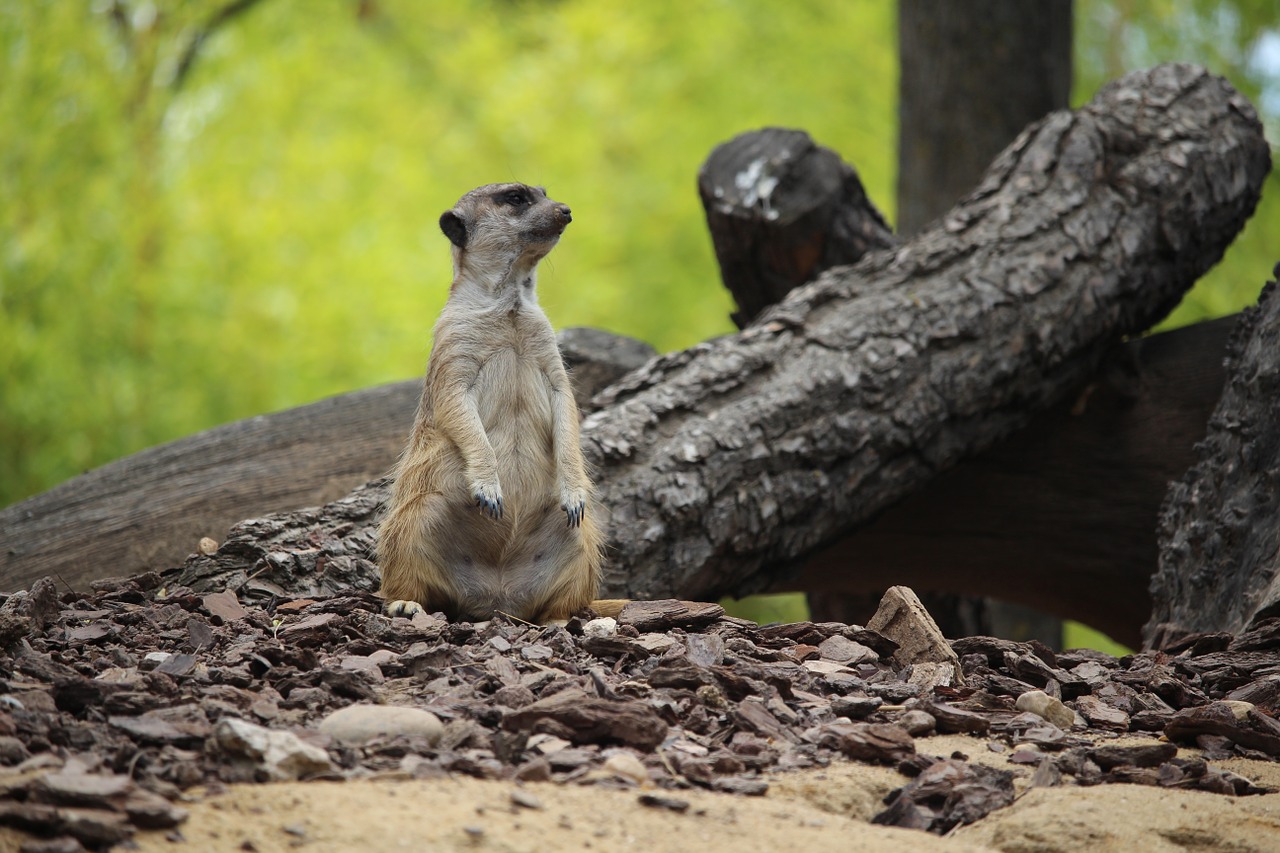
[
  {"x": 1220, "y": 528},
  {"x": 1061, "y": 515},
  {"x": 781, "y": 209},
  {"x": 724, "y": 463},
  {"x": 972, "y": 78}
]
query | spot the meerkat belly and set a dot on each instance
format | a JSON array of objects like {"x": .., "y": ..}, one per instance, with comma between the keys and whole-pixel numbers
[{"x": 515, "y": 406}]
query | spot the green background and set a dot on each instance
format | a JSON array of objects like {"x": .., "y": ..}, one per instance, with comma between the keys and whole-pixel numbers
[{"x": 179, "y": 251}]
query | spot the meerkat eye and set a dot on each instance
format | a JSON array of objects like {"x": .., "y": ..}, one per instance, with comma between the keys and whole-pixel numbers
[{"x": 516, "y": 198}]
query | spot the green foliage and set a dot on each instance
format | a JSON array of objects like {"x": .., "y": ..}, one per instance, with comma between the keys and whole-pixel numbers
[
  {"x": 1077, "y": 636},
  {"x": 176, "y": 254},
  {"x": 265, "y": 234}
]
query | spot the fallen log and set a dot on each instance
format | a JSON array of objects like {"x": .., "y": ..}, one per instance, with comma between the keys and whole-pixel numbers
[
  {"x": 1219, "y": 566},
  {"x": 724, "y": 466},
  {"x": 150, "y": 510}
]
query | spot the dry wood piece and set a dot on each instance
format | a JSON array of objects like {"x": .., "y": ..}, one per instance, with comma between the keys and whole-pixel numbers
[
  {"x": 945, "y": 795},
  {"x": 1250, "y": 729},
  {"x": 721, "y": 463},
  {"x": 669, "y": 613},
  {"x": 716, "y": 707},
  {"x": 580, "y": 718},
  {"x": 1146, "y": 755},
  {"x": 902, "y": 618}
]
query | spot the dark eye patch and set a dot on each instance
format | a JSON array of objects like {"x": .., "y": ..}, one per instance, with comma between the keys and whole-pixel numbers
[{"x": 515, "y": 198}]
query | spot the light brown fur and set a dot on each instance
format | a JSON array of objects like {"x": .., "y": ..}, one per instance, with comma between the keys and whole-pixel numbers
[{"x": 490, "y": 508}]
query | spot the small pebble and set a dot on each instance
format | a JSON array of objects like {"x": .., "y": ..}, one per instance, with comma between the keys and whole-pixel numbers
[{"x": 524, "y": 799}]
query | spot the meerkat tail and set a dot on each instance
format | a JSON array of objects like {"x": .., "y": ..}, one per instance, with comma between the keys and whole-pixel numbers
[{"x": 609, "y": 606}]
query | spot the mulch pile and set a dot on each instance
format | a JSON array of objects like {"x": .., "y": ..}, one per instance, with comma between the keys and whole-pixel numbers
[{"x": 115, "y": 702}]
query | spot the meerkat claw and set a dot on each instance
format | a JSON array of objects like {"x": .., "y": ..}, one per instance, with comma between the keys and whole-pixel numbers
[
  {"x": 489, "y": 500},
  {"x": 407, "y": 609},
  {"x": 574, "y": 504}
]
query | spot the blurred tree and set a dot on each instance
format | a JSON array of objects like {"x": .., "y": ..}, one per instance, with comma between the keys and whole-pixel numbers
[{"x": 971, "y": 80}]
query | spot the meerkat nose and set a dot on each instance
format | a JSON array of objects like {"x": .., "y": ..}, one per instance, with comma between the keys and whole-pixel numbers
[{"x": 566, "y": 213}]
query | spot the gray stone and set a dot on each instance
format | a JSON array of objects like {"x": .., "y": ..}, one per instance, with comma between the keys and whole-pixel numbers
[
  {"x": 358, "y": 724},
  {"x": 274, "y": 756},
  {"x": 1047, "y": 708}
]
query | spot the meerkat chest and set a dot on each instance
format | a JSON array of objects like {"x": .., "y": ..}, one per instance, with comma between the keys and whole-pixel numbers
[{"x": 512, "y": 391}]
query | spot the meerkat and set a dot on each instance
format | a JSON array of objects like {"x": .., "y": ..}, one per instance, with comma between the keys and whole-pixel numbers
[{"x": 490, "y": 511}]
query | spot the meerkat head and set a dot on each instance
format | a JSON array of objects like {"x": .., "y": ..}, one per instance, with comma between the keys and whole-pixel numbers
[{"x": 500, "y": 231}]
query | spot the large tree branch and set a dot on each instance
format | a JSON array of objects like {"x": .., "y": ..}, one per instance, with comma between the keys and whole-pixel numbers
[{"x": 721, "y": 463}]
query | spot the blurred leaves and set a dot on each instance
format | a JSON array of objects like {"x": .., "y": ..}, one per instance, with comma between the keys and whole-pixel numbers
[{"x": 264, "y": 234}]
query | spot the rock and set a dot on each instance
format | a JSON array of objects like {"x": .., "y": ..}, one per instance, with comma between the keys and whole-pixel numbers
[
  {"x": 359, "y": 724},
  {"x": 904, "y": 620},
  {"x": 224, "y": 605},
  {"x": 931, "y": 675},
  {"x": 525, "y": 800},
  {"x": 270, "y": 755},
  {"x": 843, "y": 650},
  {"x": 917, "y": 722},
  {"x": 626, "y": 766},
  {"x": 605, "y": 626},
  {"x": 855, "y": 707},
  {"x": 1047, "y": 708},
  {"x": 1100, "y": 714}
]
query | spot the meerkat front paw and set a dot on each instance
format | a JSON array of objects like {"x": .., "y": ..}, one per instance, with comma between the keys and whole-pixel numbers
[
  {"x": 574, "y": 504},
  {"x": 488, "y": 498},
  {"x": 407, "y": 609}
]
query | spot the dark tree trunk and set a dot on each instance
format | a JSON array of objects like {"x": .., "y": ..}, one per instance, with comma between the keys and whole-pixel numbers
[
  {"x": 972, "y": 77},
  {"x": 1061, "y": 515},
  {"x": 1220, "y": 528},
  {"x": 725, "y": 463}
]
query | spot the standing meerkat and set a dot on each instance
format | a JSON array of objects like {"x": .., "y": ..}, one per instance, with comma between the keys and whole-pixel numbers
[{"x": 489, "y": 511}]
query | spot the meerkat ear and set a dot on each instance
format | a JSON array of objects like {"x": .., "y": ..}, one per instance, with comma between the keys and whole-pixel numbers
[{"x": 454, "y": 228}]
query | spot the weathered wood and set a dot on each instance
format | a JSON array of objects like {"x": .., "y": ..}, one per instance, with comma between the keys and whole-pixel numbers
[
  {"x": 1061, "y": 515},
  {"x": 782, "y": 209},
  {"x": 1220, "y": 529},
  {"x": 149, "y": 510},
  {"x": 724, "y": 463}
]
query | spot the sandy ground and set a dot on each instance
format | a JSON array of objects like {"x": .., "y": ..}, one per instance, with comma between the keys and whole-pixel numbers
[{"x": 815, "y": 810}]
